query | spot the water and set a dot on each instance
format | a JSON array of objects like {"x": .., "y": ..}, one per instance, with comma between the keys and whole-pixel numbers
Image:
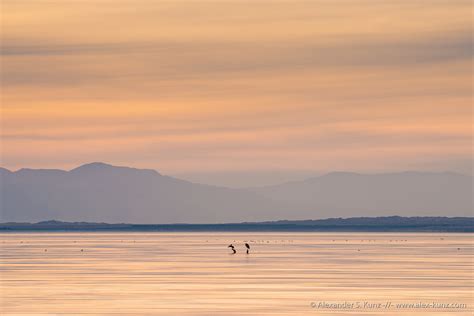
[{"x": 196, "y": 274}]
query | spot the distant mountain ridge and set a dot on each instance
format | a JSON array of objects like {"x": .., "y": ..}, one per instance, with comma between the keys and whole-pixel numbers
[
  {"x": 99, "y": 192},
  {"x": 404, "y": 193},
  {"x": 355, "y": 224}
]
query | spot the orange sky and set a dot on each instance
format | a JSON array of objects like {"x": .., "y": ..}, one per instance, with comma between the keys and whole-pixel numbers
[{"x": 194, "y": 87}]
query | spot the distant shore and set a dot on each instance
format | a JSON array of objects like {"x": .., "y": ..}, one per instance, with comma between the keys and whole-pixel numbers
[{"x": 354, "y": 224}]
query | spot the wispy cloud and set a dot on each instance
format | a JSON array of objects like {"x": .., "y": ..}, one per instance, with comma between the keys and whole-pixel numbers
[{"x": 197, "y": 85}]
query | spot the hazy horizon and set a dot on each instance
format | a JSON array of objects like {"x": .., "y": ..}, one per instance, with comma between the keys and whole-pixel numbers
[
  {"x": 231, "y": 111},
  {"x": 246, "y": 179},
  {"x": 104, "y": 193}
]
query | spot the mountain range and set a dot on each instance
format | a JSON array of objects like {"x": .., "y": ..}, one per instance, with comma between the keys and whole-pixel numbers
[{"x": 99, "y": 192}]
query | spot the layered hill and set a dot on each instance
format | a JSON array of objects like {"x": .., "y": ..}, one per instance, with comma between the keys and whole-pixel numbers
[{"x": 99, "y": 192}]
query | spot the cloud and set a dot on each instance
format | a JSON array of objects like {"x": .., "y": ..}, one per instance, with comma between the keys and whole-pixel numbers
[
  {"x": 227, "y": 85},
  {"x": 175, "y": 60}
]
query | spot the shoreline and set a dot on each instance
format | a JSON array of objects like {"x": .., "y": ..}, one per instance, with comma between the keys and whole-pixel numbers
[{"x": 377, "y": 224}]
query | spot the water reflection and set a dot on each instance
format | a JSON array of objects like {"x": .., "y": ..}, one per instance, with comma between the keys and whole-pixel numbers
[{"x": 196, "y": 274}]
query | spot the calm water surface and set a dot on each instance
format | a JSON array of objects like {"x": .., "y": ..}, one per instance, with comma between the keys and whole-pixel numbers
[{"x": 195, "y": 274}]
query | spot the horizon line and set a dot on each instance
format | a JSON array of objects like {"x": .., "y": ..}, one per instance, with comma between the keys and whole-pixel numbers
[{"x": 54, "y": 221}]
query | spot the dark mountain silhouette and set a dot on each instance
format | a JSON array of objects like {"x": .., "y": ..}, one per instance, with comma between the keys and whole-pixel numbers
[{"x": 99, "y": 192}]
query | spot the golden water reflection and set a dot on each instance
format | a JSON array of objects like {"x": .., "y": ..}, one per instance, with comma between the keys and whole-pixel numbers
[{"x": 196, "y": 274}]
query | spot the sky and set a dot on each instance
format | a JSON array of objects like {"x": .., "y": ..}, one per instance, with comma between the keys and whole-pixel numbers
[{"x": 237, "y": 92}]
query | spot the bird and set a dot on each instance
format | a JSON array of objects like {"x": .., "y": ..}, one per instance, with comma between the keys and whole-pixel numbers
[
  {"x": 232, "y": 247},
  {"x": 248, "y": 247}
]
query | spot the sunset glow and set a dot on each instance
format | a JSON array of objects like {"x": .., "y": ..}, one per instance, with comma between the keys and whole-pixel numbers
[{"x": 186, "y": 86}]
